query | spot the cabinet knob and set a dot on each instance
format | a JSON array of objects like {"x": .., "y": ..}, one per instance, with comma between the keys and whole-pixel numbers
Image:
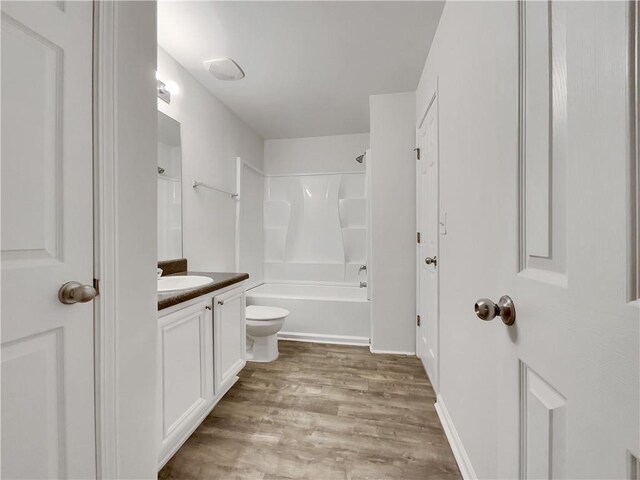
[
  {"x": 220, "y": 302},
  {"x": 208, "y": 307}
]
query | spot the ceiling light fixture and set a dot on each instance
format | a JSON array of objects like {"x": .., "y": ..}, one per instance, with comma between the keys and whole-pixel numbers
[{"x": 223, "y": 68}]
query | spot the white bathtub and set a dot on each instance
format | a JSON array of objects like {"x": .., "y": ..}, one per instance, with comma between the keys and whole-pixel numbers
[{"x": 319, "y": 313}]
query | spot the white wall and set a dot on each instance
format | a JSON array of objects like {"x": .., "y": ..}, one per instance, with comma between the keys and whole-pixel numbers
[
  {"x": 473, "y": 61},
  {"x": 128, "y": 428},
  {"x": 392, "y": 272},
  {"x": 212, "y": 137},
  {"x": 336, "y": 153}
]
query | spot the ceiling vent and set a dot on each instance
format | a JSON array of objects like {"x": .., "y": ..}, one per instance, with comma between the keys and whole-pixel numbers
[{"x": 223, "y": 69}]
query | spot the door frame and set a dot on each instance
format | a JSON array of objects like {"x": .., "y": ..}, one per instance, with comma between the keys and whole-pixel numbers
[
  {"x": 121, "y": 72},
  {"x": 105, "y": 202},
  {"x": 433, "y": 99}
]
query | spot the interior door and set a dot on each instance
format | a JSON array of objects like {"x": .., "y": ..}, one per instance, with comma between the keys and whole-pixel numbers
[
  {"x": 47, "y": 240},
  {"x": 428, "y": 207},
  {"x": 568, "y": 392}
]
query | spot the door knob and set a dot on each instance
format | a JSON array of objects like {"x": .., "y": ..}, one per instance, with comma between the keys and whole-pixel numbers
[
  {"x": 74, "y": 292},
  {"x": 487, "y": 310},
  {"x": 431, "y": 260}
]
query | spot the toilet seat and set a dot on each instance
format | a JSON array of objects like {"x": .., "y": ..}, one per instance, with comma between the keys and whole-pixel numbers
[{"x": 262, "y": 313}]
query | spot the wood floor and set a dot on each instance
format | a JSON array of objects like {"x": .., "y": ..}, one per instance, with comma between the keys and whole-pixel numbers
[{"x": 321, "y": 412}]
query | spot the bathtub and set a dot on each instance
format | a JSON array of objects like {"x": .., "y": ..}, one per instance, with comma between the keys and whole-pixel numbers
[{"x": 319, "y": 313}]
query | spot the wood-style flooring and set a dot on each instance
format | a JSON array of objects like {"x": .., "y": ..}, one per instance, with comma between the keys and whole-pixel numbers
[{"x": 321, "y": 412}]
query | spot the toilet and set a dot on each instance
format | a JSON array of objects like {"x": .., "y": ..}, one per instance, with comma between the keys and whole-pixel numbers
[{"x": 263, "y": 325}]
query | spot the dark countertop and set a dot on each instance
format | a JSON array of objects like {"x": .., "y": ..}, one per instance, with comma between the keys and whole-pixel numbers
[{"x": 221, "y": 280}]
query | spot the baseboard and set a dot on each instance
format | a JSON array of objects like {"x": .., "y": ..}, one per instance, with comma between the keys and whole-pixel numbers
[
  {"x": 322, "y": 338},
  {"x": 460, "y": 454},
  {"x": 426, "y": 371},
  {"x": 391, "y": 352}
]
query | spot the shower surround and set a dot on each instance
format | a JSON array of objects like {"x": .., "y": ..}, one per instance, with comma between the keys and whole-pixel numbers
[{"x": 315, "y": 228}]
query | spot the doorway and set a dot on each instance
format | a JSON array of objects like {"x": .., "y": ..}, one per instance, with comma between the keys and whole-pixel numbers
[{"x": 427, "y": 209}]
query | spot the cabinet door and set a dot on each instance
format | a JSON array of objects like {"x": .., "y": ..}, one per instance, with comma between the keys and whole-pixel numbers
[
  {"x": 185, "y": 349},
  {"x": 229, "y": 334}
]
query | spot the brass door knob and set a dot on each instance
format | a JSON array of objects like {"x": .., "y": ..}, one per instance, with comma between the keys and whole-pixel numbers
[
  {"x": 505, "y": 309},
  {"x": 75, "y": 292}
]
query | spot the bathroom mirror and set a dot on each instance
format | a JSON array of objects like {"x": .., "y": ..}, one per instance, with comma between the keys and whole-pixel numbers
[{"x": 169, "y": 188}]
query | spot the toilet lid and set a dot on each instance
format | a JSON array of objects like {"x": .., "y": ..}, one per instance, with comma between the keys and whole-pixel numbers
[{"x": 258, "y": 312}]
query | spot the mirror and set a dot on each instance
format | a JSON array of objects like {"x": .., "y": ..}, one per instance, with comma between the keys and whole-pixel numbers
[{"x": 169, "y": 188}]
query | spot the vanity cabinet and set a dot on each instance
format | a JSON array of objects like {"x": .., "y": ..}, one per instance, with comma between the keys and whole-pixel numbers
[
  {"x": 201, "y": 349},
  {"x": 229, "y": 337},
  {"x": 185, "y": 360}
]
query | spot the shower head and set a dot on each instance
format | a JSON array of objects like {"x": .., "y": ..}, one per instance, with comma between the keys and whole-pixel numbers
[{"x": 360, "y": 158}]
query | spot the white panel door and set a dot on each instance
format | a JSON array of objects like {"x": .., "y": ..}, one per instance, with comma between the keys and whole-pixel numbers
[
  {"x": 568, "y": 394},
  {"x": 47, "y": 240},
  {"x": 229, "y": 336},
  {"x": 427, "y": 208}
]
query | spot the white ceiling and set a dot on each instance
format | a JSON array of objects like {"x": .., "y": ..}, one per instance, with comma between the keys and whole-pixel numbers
[{"x": 310, "y": 66}]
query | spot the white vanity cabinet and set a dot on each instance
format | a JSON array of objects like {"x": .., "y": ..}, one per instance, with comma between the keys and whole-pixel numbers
[
  {"x": 229, "y": 337},
  {"x": 201, "y": 349},
  {"x": 185, "y": 362}
]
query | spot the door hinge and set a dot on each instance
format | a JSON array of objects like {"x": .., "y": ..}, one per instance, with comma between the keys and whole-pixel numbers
[
  {"x": 417, "y": 150},
  {"x": 96, "y": 285},
  {"x": 418, "y": 237},
  {"x": 418, "y": 320}
]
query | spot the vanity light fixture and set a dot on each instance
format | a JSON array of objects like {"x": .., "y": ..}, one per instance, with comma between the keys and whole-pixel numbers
[
  {"x": 163, "y": 93},
  {"x": 165, "y": 90},
  {"x": 223, "y": 68}
]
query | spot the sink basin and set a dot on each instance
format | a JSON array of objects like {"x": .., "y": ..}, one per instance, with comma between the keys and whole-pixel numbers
[{"x": 178, "y": 283}]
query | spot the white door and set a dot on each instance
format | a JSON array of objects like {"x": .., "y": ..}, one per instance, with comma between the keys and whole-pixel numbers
[
  {"x": 568, "y": 392},
  {"x": 427, "y": 208},
  {"x": 47, "y": 240}
]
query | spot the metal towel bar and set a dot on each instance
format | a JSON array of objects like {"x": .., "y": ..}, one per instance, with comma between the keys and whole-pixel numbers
[{"x": 201, "y": 184}]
